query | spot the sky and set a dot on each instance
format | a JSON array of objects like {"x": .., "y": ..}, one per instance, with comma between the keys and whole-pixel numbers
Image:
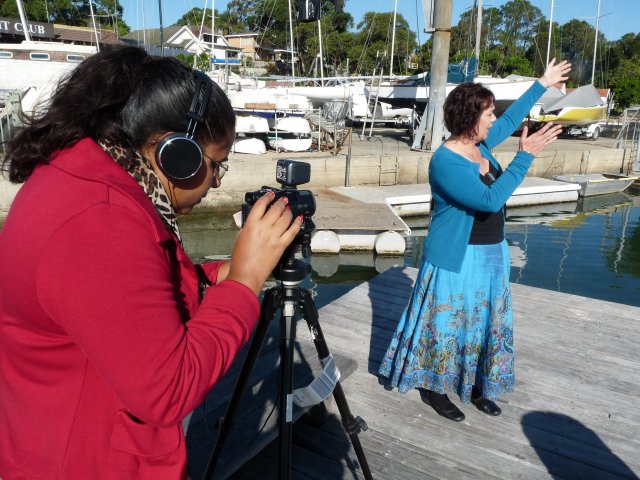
[{"x": 617, "y": 17}]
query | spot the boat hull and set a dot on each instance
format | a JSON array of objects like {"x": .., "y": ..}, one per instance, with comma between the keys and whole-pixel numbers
[
  {"x": 250, "y": 146},
  {"x": 598, "y": 184},
  {"x": 575, "y": 116}
]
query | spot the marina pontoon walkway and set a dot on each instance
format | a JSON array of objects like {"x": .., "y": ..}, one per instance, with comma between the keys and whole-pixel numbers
[{"x": 575, "y": 413}]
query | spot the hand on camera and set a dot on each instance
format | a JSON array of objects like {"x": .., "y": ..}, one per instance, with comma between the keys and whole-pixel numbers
[
  {"x": 262, "y": 241},
  {"x": 534, "y": 143}
]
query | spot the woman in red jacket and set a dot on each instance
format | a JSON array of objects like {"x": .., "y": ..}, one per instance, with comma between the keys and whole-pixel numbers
[{"x": 107, "y": 337}]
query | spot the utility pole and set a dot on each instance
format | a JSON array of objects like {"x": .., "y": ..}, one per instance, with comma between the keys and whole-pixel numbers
[
  {"x": 439, "y": 66},
  {"x": 478, "y": 30}
]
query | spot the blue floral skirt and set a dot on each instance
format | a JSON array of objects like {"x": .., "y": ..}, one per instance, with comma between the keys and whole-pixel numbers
[{"x": 457, "y": 330}]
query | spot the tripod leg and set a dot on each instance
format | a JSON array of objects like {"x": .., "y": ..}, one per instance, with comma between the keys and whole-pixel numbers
[
  {"x": 285, "y": 385},
  {"x": 270, "y": 304},
  {"x": 353, "y": 426}
]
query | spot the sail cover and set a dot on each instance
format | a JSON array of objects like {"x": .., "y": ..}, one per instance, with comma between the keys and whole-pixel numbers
[
  {"x": 585, "y": 96},
  {"x": 309, "y": 11}
]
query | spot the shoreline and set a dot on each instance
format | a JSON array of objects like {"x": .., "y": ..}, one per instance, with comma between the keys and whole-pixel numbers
[{"x": 385, "y": 159}]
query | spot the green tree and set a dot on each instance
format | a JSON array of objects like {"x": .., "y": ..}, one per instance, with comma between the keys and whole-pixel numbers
[
  {"x": 245, "y": 15},
  {"x": 520, "y": 21},
  {"x": 537, "y": 51},
  {"x": 626, "y": 48},
  {"x": 194, "y": 17},
  {"x": 373, "y": 43},
  {"x": 108, "y": 13},
  {"x": 202, "y": 60},
  {"x": 575, "y": 41},
  {"x": 625, "y": 83}
]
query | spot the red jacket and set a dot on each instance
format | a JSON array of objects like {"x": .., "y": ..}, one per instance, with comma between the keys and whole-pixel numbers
[{"x": 103, "y": 346}]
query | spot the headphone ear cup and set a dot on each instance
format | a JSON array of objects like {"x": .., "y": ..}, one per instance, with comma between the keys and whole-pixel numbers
[{"x": 179, "y": 156}]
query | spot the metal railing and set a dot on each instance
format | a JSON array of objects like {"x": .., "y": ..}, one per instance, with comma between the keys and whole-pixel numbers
[
  {"x": 9, "y": 116},
  {"x": 629, "y": 136}
]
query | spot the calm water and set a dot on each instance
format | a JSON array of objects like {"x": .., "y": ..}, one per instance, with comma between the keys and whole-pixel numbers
[{"x": 590, "y": 248}]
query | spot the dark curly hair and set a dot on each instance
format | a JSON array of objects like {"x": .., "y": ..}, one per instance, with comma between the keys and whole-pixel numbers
[
  {"x": 464, "y": 106},
  {"x": 120, "y": 93}
]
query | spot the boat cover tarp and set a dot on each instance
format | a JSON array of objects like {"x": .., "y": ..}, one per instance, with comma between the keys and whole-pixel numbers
[
  {"x": 552, "y": 95},
  {"x": 460, "y": 72},
  {"x": 585, "y": 96}
]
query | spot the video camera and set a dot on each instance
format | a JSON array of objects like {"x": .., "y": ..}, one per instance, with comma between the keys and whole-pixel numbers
[{"x": 290, "y": 174}]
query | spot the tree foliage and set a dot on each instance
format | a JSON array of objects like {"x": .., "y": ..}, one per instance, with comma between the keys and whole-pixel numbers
[
  {"x": 514, "y": 39},
  {"x": 194, "y": 17},
  {"x": 107, "y": 13},
  {"x": 515, "y": 36},
  {"x": 625, "y": 82},
  {"x": 201, "y": 61}
]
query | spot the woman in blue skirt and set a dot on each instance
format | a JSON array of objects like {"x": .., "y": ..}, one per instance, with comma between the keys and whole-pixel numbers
[{"x": 456, "y": 334}]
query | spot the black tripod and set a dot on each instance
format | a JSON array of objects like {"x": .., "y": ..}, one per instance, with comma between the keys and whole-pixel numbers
[{"x": 286, "y": 297}]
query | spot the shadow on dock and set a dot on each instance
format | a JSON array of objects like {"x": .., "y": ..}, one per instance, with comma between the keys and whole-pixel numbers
[{"x": 565, "y": 446}]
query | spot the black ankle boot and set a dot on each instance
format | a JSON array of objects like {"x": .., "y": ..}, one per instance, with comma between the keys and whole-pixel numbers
[
  {"x": 442, "y": 405},
  {"x": 484, "y": 404}
]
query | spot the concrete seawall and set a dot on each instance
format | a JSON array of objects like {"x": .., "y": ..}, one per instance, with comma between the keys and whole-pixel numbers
[{"x": 384, "y": 161}]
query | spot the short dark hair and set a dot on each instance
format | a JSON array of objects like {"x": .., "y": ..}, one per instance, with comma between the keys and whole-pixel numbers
[
  {"x": 120, "y": 93},
  {"x": 464, "y": 106}
]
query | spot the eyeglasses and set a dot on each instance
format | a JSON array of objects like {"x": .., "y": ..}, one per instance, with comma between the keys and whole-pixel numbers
[{"x": 220, "y": 168}]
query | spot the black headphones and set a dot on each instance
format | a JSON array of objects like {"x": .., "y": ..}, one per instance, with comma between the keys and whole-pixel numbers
[{"x": 179, "y": 155}]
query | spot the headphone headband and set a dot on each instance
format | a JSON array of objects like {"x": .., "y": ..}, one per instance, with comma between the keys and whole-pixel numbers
[{"x": 199, "y": 102}]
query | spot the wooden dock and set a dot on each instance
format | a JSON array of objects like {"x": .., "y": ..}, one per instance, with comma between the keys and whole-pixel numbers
[{"x": 575, "y": 413}]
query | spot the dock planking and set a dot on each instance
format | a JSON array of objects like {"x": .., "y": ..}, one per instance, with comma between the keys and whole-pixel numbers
[{"x": 574, "y": 413}]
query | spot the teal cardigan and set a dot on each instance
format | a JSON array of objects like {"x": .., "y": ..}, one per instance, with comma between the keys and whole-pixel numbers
[{"x": 458, "y": 191}]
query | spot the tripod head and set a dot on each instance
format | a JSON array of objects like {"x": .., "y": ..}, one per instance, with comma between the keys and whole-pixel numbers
[{"x": 290, "y": 174}]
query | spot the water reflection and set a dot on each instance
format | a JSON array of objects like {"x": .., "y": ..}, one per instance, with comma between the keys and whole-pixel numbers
[
  {"x": 589, "y": 248},
  {"x": 590, "y": 251}
]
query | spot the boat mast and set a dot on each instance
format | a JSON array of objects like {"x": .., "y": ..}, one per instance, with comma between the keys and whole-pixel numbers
[
  {"x": 293, "y": 68},
  {"x": 201, "y": 36},
  {"x": 144, "y": 28},
  {"x": 550, "y": 29},
  {"x": 321, "y": 60},
  {"x": 23, "y": 19},
  {"x": 393, "y": 36},
  {"x": 595, "y": 45},
  {"x": 213, "y": 31},
  {"x": 161, "y": 29},
  {"x": 93, "y": 20}
]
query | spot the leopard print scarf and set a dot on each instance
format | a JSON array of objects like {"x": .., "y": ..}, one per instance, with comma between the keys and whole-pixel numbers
[{"x": 141, "y": 171}]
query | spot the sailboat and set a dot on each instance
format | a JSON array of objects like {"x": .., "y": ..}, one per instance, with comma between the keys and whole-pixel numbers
[
  {"x": 579, "y": 109},
  {"x": 33, "y": 67},
  {"x": 580, "y": 106},
  {"x": 413, "y": 92}
]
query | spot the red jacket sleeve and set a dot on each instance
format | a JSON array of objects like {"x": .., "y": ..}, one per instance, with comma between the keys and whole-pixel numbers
[
  {"x": 106, "y": 282},
  {"x": 211, "y": 270}
]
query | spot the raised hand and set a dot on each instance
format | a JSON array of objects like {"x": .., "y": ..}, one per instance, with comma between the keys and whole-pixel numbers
[
  {"x": 262, "y": 241},
  {"x": 537, "y": 141},
  {"x": 555, "y": 73}
]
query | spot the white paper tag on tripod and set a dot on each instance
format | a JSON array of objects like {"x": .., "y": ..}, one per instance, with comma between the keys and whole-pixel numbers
[{"x": 321, "y": 387}]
